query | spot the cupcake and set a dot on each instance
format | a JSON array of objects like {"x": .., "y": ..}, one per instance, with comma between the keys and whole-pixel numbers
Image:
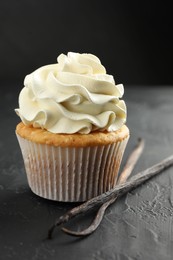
[{"x": 72, "y": 132}]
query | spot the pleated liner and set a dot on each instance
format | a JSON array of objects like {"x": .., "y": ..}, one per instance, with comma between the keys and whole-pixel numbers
[{"x": 71, "y": 174}]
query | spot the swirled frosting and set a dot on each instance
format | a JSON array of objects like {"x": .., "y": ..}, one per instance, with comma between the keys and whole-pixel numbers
[{"x": 73, "y": 95}]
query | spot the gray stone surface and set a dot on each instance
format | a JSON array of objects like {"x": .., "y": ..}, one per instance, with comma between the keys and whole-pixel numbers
[{"x": 138, "y": 226}]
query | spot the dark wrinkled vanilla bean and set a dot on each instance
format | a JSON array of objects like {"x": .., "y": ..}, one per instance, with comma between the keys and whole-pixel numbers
[
  {"x": 119, "y": 190},
  {"x": 126, "y": 172}
]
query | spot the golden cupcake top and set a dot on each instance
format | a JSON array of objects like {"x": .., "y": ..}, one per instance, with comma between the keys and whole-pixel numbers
[
  {"x": 42, "y": 136},
  {"x": 74, "y": 95}
]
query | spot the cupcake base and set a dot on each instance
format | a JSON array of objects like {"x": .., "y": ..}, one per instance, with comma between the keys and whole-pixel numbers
[{"x": 71, "y": 174}]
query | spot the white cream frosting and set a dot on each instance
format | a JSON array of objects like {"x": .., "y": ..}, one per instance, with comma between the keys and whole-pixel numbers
[{"x": 73, "y": 95}]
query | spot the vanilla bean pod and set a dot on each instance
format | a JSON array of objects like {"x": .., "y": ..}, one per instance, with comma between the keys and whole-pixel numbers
[
  {"x": 119, "y": 190},
  {"x": 131, "y": 161},
  {"x": 126, "y": 172}
]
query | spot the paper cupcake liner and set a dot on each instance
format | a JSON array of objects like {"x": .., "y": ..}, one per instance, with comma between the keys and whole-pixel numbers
[{"x": 71, "y": 173}]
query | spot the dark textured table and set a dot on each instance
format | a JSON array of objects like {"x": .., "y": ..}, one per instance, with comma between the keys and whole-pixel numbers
[{"x": 138, "y": 226}]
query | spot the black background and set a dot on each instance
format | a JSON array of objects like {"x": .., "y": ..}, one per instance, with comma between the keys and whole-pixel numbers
[{"x": 133, "y": 39}]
